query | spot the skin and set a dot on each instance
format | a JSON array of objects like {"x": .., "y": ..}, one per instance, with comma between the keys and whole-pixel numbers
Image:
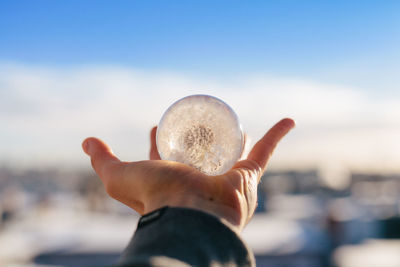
[{"x": 151, "y": 184}]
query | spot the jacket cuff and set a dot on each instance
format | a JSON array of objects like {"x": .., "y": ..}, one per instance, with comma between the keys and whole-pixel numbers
[{"x": 173, "y": 235}]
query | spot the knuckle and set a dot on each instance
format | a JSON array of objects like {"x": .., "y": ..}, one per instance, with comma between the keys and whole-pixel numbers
[
  {"x": 246, "y": 187},
  {"x": 253, "y": 168}
]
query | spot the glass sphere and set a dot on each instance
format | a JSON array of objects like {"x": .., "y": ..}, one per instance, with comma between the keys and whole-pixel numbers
[{"x": 201, "y": 131}]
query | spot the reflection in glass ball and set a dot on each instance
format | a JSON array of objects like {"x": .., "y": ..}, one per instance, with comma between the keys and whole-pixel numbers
[{"x": 201, "y": 131}]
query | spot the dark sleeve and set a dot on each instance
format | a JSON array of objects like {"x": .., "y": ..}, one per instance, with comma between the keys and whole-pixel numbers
[{"x": 178, "y": 237}]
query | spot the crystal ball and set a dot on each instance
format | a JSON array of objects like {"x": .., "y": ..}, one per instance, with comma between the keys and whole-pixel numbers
[{"x": 201, "y": 131}]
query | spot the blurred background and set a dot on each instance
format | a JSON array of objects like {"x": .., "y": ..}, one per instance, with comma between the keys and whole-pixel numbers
[{"x": 73, "y": 69}]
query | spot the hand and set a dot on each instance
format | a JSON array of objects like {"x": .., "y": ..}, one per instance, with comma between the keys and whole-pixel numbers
[{"x": 148, "y": 185}]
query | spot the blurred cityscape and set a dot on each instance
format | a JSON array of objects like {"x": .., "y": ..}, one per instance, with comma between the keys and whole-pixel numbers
[{"x": 58, "y": 218}]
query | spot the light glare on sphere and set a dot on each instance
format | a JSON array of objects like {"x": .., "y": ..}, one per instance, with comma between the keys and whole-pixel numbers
[{"x": 201, "y": 131}]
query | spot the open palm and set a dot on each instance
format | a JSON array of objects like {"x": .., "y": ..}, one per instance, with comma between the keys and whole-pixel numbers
[{"x": 151, "y": 184}]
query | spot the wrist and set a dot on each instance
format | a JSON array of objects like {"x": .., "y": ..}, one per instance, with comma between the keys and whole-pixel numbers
[{"x": 228, "y": 215}]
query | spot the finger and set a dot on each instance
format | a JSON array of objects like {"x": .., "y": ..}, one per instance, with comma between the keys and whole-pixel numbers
[
  {"x": 111, "y": 171},
  {"x": 154, "y": 155},
  {"x": 245, "y": 140},
  {"x": 104, "y": 162},
  {"x": 263, "y": 149}
]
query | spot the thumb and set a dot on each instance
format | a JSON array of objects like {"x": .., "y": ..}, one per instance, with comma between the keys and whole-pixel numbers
[
  {"x": 154, "y": 155},
  {"x": 104, "y": 162}
]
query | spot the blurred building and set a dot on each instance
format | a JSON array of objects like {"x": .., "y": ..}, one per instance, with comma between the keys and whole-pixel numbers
[{"x": 67, "y": 219}]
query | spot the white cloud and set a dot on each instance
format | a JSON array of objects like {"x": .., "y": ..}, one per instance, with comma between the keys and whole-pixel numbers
[{"x": 46, "y": 112}]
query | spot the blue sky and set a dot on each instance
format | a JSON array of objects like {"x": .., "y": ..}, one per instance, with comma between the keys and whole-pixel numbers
[
  {"x": 323, "y": 40},
  {"x": 72, "y": 69}
]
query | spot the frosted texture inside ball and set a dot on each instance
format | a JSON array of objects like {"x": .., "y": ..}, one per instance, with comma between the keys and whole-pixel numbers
[{"x": 201, "y": 131}]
